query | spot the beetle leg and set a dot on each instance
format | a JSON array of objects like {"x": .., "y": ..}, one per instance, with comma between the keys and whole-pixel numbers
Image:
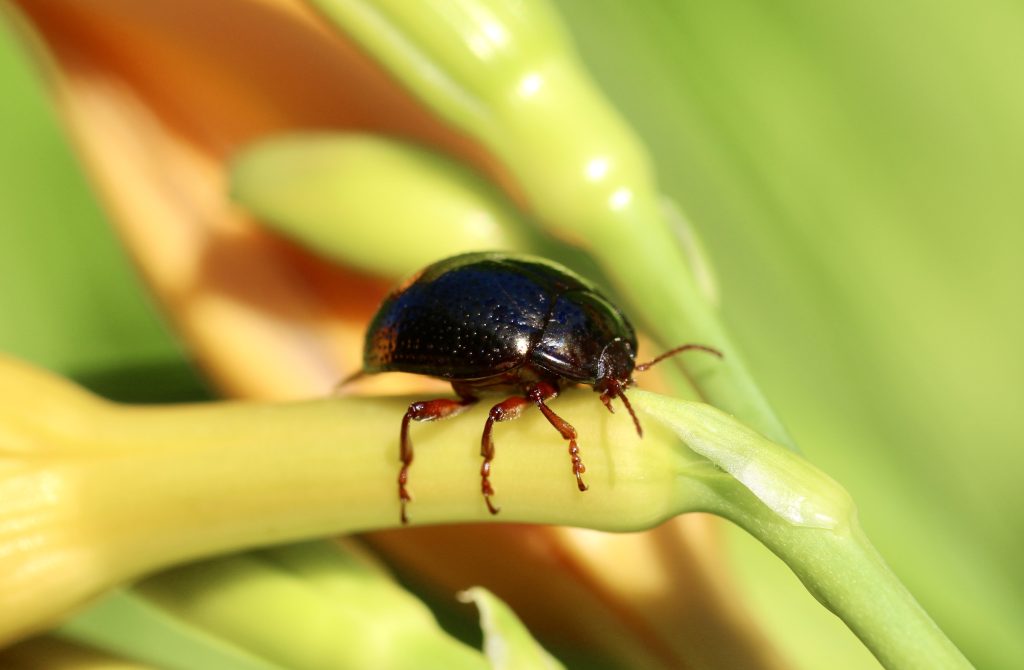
[
  {"x": 542, "y": 391},
  {"x": 615, "y": 390},
  {"x": 423, "y": 410},
  {"x": 507, "y": 409}
]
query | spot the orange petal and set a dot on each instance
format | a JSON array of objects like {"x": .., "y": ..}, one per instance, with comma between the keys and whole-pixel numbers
[{"x": 157, "y": 96}]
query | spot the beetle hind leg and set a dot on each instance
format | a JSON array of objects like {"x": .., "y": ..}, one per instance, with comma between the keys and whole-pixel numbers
[{"x": 422, "y": 410}]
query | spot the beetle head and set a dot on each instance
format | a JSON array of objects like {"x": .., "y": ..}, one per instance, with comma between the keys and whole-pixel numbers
[
  {"x": 615, "y": 375},
  {"x": 615, "y": 370},
  {"x": 615, "y": 365}
]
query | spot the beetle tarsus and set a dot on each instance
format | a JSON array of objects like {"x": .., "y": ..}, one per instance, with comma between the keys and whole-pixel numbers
[
  {"x": 485, "y": 483},
  {"x": 490, "y": 506},
  {"x": 577, "y": 465}
]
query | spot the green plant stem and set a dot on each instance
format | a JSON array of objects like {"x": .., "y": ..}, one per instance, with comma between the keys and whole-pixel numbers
[
  {"x": 841, "y": 568},
  {"x": 810, "y": 522},
  {"x": 640, "y": 265},
  {"x": 93, "y": 494},
  {"x": 116, "y": 492}
]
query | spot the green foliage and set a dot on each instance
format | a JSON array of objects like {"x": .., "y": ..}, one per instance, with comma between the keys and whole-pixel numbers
[{"x": 854, "y": 169}]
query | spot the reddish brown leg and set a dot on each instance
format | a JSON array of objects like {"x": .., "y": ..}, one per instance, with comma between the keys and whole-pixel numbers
[
  {"x": 615, "y": 391},
  {"x": 424, "y": 410},
  {"x": 510, "y": 408},
  {"x": 544, "y": 391}
]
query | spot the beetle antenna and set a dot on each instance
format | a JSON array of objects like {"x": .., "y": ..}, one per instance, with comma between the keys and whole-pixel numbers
[
  {"x": 678, "y": 350},
  {"x": 358, "y": 374},
  {"x": 636, "y": 421}
]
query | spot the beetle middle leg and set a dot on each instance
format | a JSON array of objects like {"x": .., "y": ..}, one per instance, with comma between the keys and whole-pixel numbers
[
  {"x": 511, "y": 408},
  {"x": 507, "y": 409},
  {"x": 423, "y": 410}
]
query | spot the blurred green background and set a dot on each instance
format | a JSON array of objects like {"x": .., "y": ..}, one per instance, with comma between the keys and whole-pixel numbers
[{"x": 857, "y": 173}]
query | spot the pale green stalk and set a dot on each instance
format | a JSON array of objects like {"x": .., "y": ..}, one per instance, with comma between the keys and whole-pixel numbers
[
  {"x": 131, "y": 626},
  {"x": 810, "y": 522},
  {"x": 309, "y": 606},
  {"x": 95, "y": 493},
  {"x": 302, "y": 607},
  {"x": 124, "y": 491}
]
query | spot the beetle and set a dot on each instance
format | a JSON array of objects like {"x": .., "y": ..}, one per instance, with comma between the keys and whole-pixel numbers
[{"x": 494, "y": 322}]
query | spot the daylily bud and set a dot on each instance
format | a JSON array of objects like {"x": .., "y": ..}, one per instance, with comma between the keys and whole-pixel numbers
[{"x": 380, "y": 205}]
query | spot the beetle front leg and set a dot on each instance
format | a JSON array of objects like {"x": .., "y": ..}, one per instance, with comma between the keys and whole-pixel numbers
[
  {"x": 542, "y": 391},
  {"x": 423, "y": 410}
]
